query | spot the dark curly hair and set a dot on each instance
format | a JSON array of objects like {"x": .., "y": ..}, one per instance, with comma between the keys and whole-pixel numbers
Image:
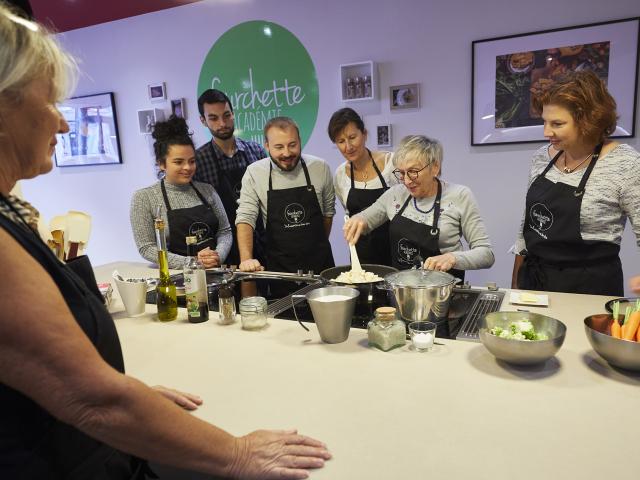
[
  {"x": 586, "y": 97},
  {"x": 174, "y": 131},
  {"x": 340, "y": 119}
]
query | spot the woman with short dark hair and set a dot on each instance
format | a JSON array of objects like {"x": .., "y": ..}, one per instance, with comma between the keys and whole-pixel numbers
[
  {"x": 582, "y": 188},
  {"x": 361, "y": 179}
]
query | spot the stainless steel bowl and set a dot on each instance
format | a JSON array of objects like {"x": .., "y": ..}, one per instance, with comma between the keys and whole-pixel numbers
[
  {"x": 522, "y": 352},
  {"x": 619, "y": 353},
  {"x": 421, "y": 292}
]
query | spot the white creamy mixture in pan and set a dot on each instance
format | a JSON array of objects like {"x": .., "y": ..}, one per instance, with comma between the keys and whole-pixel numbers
[{"x": 357, "y": 276}]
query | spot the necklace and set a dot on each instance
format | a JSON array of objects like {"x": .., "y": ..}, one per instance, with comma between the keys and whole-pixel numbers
[
  {"x": 415, "y": 204},
  {"x": 569, "y": 170}
]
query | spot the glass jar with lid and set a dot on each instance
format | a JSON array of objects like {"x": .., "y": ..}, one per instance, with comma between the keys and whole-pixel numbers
[
  {"x": 253, "y": 313},
  {"x": 386, "y": 331}
]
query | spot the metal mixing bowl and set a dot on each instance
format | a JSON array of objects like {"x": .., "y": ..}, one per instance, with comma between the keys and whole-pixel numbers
[
  {"x": 619, "y": 353},
  {"x": 522, "y": 352},
  {"x": 419, "y": 293}
]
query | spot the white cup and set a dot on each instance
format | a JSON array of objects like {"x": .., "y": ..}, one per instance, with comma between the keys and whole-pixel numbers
[{"x": 133, "y": 295}]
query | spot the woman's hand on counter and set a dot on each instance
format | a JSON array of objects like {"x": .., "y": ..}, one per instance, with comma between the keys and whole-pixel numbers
[
  {"x": 282, "y": 454},
  {"x": 188, "y": 401},
  {"x": 209, "y": 258},
  {"x": 442, "y": 263},
  {"x": 251, "y": 265},
  {"x": 634, "y": 284},
  {"x": 353, "y": 228}
]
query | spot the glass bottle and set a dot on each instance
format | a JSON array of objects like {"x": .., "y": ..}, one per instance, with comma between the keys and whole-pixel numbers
[
  {"x": 227, "y": 304},
  {"x": 351, "y": 89},
  {"x": 386, "y": 331},
  {"x": 195, "y": 285},
  {"x": 166, "y": 298},
  {"x": 367, "y": 86},
  {"x": 359, "y": 84}
]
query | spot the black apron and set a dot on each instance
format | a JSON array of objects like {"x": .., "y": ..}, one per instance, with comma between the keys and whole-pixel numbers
[
  {"x": 296, "y": 238},
  {"x": 230, "y": 184},
  {"x": 558, "y": 259},
  {"x": 412, "y": 242},
  {"x": 34, "y": 444},
  {"x": 199, "y": 221},
  {"x": 374, "y": 247}
]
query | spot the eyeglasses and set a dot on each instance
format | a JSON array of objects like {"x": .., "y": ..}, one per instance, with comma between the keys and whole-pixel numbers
[{"x": 412, "y": 173}]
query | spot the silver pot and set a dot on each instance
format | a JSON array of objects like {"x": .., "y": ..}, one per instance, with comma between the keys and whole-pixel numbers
[{"x": 419, "y": 293}]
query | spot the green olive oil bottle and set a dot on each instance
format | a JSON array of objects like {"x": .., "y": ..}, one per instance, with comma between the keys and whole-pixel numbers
[{"x": 166, "y": 298}]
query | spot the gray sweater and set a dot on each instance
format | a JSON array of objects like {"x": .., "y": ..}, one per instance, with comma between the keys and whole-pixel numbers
[
  {"x": 255, "y": 185},
  {"x": 611, "y": 195},
  {"x": 459, "y": 217},
  {"x": 143, "y": 209}
]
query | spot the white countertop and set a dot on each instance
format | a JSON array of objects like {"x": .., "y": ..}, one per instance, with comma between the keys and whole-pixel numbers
[{"x": 453, "y": 413}]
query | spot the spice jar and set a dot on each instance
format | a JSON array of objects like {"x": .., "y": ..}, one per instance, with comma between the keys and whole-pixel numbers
[
  {"x": 386, "y": 331},
  {"x": 226, "y": 304},
  {"x": 253, "y": 313}
]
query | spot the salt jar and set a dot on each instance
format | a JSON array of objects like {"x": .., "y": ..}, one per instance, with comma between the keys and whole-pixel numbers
[
  {"x": 386, "y": 331},
  {"x": 253, "y": 313}
]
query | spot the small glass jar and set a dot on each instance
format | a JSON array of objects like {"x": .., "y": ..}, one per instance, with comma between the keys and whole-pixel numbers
[
  {"x": 253, "y": 313},
  {"x": 386, "y": 331}
]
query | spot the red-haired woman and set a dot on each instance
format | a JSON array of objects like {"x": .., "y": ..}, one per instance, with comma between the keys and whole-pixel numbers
[{"x": 582, "y": 188}]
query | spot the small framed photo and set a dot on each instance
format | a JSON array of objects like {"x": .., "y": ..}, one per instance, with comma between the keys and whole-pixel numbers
[
  {"x": 404, "y": 96},
  {"x": 177, "y": 107},
  {"x": 148, "y": 118},
  {"x": 157, "y": 92},
  {"x": 383, "y": 135}
]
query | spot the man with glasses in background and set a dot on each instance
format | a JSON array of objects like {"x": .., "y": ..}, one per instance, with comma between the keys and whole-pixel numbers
[{"x": 429, "y": 217}]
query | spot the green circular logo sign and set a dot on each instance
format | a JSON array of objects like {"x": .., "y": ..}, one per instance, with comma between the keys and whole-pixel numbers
[{"x": 266, "y": 72}]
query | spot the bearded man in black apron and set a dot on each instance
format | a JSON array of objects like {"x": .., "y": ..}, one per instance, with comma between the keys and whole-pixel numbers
[
  {"x": 296, "y": 197},
  {"x": 223, "y": 161}
]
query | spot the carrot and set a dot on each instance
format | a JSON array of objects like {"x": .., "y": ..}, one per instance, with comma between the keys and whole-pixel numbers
[
  {"x": 631, "y": 323},
  {"x": 616, "y": 329},
  {"x": 625, "y": 320}
]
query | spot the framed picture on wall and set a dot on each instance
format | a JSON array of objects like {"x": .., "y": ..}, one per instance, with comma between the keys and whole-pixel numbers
[
  {"x": 157, "y": 92},
  {"x": 93, "y": 137},
  {"x": 148, "y": 118},
  {"x": 507, "y": 72},
  {"x": 383, "y": 135},
  {"x": 177, "y": 108},
  {"x": 404, "y": 96}
]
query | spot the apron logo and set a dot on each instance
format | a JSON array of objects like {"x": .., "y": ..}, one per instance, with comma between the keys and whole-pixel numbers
[
  {"x": 540, "y": 217},
  {"x": 406, "y": 251},
  {"x": 294, "y": 213},
  {"x": 236, "y": 189},
  {"x": 200, "y": 230}
]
